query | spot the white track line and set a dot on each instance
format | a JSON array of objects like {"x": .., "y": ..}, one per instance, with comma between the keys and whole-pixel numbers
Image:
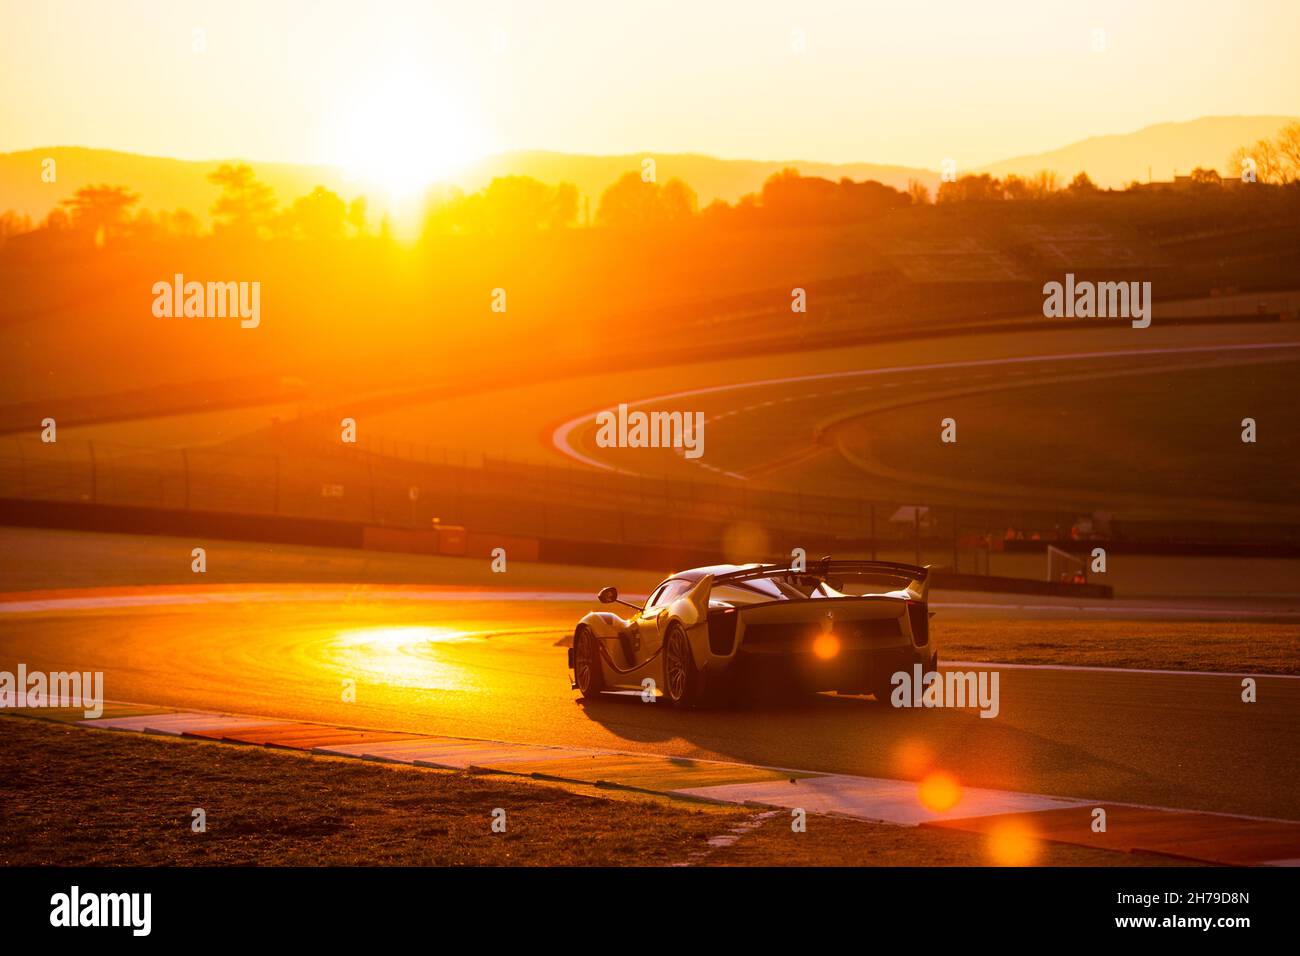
[
  {"x": 989, "y": 665},
  {"x": 560, "y": 437},
  {"x": 272, "y": 597},
  {"x": 1124, "y": 609}
]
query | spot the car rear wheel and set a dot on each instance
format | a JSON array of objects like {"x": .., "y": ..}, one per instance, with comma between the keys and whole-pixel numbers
[
  {"x": 681, "y": 679},
  {"x": 586, "y": 664}
]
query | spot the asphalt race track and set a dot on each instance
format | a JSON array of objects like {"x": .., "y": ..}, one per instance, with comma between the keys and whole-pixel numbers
[
  {"x": 789, "y": 429},
  {"x": 470, "y": 664}
]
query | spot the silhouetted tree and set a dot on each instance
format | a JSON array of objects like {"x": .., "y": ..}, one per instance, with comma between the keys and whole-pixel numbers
[
  {"x": 1043, "y": 183},
  {"x": 320, "y": 214},
  {"x": 357, "y": 216},
  {"x": 1287, "y": 143},
  {"x": 181, "y": 223},
  {"x": 970, "y": 188},
  {"x": 1275, "y": 160},
  {"x": 788, "y": 198},
  {"x": 677, "y": 202},
  {"x": 629, "y": 202},
  {"x": 509, "y": 204},
  {"x": 516, "y": 204},
  {"x": 56, "y": 220},
  {"x": 1013, "y": 187},
  {"x": 1082, "y": 184},
  {"x": 246, "y": 205},
  {"x": 564, "y": 206},
  {"x": 12, "y": 224},
  {"x": 101, "y": 211}
]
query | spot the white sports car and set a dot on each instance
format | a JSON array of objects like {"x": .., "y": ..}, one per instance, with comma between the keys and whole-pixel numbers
[{"x": 846, "y": 626}]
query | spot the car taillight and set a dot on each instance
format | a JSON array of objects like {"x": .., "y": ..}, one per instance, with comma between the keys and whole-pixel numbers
[
  {"x": 918, "y": 616},
  {"x": 722, "y": 630}
]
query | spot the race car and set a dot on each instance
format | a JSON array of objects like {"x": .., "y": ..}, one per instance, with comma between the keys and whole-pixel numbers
[{"x": 840, "y": 625}]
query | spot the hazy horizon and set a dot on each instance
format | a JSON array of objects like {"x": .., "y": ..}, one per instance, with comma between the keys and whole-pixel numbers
[
  {"x": 648, "y": 151},
  {"x": 328, "y": 85}
]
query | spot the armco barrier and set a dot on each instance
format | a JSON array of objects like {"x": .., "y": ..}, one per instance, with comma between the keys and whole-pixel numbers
[
  {"x": 123, "y": 519},
  {"x": 399, "y": 539},
  {"x": 451, "y": 540},
  {"x": 517, "y": 548},
  {"x": 442, "y": 540},
  {"x": 999, "y": 585}
]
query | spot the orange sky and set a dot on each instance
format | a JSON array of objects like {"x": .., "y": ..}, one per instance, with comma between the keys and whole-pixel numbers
[{"x": 401, "y": 89}]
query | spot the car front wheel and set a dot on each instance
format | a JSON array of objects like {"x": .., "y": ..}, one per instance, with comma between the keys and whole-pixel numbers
[{"x": 586, "y": 664}]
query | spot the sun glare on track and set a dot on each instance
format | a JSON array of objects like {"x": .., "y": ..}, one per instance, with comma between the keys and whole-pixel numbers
[
  {"x": 402, "y": 656},
  {"x": 394, "y": 638}
]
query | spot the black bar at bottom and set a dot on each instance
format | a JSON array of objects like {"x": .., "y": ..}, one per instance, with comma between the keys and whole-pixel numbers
[{"x": 983, "y": 906}]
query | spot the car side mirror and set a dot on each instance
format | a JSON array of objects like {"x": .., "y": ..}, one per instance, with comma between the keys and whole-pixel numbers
[{"x": 607, "y": 595}]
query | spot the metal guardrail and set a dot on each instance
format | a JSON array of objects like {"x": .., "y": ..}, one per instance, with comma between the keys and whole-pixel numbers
[{"x": 429, "y": 487}]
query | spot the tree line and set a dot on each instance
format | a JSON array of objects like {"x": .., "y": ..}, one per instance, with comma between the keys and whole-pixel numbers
[{"x": 246, "y": 208}]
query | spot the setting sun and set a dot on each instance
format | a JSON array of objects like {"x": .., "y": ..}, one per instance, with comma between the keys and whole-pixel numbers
[{"x": 402, "y": 131}]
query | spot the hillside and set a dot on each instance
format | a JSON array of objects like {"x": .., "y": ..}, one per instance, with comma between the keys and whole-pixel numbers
[
  {"x": 182, "y": 184},
  {"x": 711, "y": 178},
  {"x": 1163, "y": 149},
  {"x": 163, "y": 183}
]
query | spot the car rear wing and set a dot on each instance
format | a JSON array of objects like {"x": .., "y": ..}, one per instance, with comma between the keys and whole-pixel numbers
[{"x": 903, "y": 577}]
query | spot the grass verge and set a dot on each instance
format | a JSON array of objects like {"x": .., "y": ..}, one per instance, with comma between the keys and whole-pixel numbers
[
  {"x": 1232, "y": 646},
  {"x": 73, "y": 796}
]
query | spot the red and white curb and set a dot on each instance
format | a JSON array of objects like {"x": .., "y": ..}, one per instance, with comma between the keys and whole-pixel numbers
[{"x": 1192, "y": 835}]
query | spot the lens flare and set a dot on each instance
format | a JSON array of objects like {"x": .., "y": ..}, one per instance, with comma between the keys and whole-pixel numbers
[
  {"x": 938, "y": 792},
  {"x": 826, "y": 646},
  {"x": 1013, "y": 843}
]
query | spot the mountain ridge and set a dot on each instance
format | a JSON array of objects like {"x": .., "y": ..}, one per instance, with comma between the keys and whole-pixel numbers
[{"x": 164, "y": 183}]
